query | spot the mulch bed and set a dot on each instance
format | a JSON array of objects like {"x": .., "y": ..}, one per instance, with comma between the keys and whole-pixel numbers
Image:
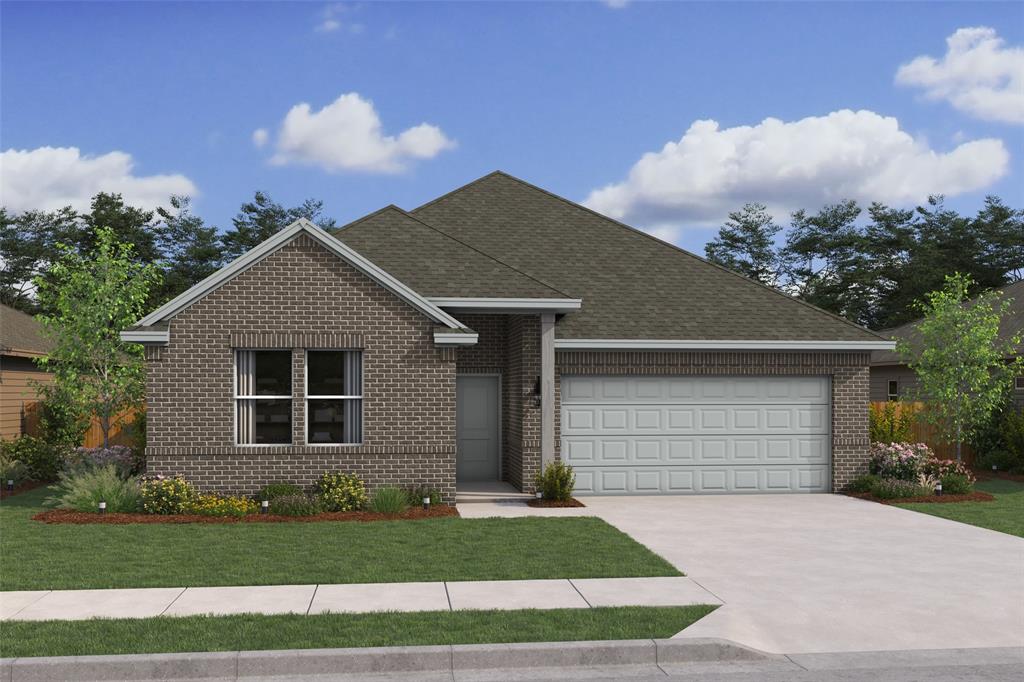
[
  {"x": 571, "y": 502},
  {"x": 976, "y": 496},
  {"x": 66, "y": 516},
  {"x": 20, "y": 488}
]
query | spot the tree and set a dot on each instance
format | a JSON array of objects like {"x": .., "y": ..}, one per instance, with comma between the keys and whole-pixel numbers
[
  {"x": 746, "y": 244},
  {"x": 262, "y": 218},
  {"x": 92, "y": 298},
  {"x": 963, "y": 369},
  {"x": 28, "y": 245},
  {"x": 191, "y": 251}
]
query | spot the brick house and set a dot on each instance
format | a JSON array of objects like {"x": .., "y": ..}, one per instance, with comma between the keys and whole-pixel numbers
[{"x": 486, "y": 333}]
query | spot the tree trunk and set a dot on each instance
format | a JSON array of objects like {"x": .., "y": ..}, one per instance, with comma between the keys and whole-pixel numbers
[
  {"x": 105, "y": 427},
  {"x": 959, "y": 445}
]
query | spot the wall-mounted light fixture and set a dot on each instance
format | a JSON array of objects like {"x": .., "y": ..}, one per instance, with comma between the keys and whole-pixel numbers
[{"x": 536, "y": 393}]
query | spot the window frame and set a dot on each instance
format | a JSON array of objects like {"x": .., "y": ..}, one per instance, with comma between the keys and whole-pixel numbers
[
  {"x": 1018, "y": 384},
  {"x": 236, "y": 397},
  {"x": 892, "y": 396},
  {"x": 306, "y": 397}
]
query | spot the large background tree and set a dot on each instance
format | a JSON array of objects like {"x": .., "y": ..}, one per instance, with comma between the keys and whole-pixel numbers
[
  {"x": 262, "y": 218},
  {"x": 746, "y": 244}
]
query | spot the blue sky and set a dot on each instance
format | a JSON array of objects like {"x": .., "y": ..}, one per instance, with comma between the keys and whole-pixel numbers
[{"x": 160, "y": 97}]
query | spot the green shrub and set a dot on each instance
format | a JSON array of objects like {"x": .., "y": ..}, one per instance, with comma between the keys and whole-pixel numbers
[
  {"x": 12, "y": 469},
  {"x": 905, "y": 461},
  {"x": 956, "y": 484},
  {"x": 556, "y": 482},
  {"x": 296, "y": 505},
  {"x": 417, "y": 493},
  {"x": 166, "y": 494},
  {"x": 389, "y": 501},
  {"x": 63, "y": 420},
  {"x": 272, "y": 491},
  {"x": 890, "y": 423},
  {"x": 221, "y": 505},
  {"x": 1012, "y": 431},
  {"x": 83, "y": 490},
  {"x": 341, "y": 492},
  {"x": 862, "y": 484},
  {"x": 42, "y": 460},
  {"x": 893, "y": 488},
  {"x": 1002, "y": 460}
]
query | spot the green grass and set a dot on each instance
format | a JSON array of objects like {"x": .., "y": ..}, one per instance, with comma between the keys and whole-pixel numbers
[
  {"x": 35, "y": 556},
  {"x": 1006, "y": 514},
  {"x": 256, "y": 632}
]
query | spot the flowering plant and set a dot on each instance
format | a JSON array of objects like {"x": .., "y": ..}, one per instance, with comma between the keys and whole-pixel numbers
[
  {"x": 121, "y": 456},
  {"x": 221, "y": 505},
  {"x": 940, "y": 468},
  {"x": 166, "y": 494},
  {"x": 901, "y": 461},
  {"x": 341, "y": 492}
]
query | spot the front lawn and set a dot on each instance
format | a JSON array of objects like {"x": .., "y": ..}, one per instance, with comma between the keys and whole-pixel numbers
[
  {"x": 1006, "y": 514},
  {"x": 38, "y": 556}
]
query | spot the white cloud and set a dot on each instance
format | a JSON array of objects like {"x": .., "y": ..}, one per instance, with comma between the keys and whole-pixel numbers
[
  {"x": 330, "y": 20},
  {"x": 260, "y": 137},
  {"x": 978, "y": 75},
  {"x": 787, "y": 165},
  {"x": 347, "y": 135},
  {"x": 616, "y": 4},
  {"x": 49, "y": 178}
]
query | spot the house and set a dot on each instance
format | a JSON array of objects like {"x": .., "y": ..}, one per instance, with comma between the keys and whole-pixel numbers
[
  {"x": 487, "y": 333},
  {"x": 21, "y": 340},
  {"x": 891, "y": 379}
]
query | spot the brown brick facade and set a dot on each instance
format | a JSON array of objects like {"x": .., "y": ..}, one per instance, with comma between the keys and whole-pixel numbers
[{"x": 300, "y": 297}]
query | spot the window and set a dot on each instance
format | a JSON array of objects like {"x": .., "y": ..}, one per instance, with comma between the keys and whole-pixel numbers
[
  {"x": 334, "y": 397},
  {"x": 263, "y": 396},
  {"x": 894, "y": 390},
  {"x": 1019, "y": 384}
]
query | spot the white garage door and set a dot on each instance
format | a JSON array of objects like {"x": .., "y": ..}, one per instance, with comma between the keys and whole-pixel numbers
[{"x": 677, "y": 435}]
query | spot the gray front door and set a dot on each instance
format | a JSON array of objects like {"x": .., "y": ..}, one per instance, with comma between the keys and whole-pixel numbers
[{"x": 476, "y": 428}]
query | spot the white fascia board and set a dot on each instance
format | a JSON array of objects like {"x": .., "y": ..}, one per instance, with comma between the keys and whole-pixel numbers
[
  {"x": 443, "y": 339},
  {"x": 255, "y": 255},
  {"x": 140, "y": 336},
  {"x": 662, "y": 344},
  {"x": 551, "y": 305}
]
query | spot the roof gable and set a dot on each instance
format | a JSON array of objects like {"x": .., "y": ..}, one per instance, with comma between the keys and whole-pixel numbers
[
  {"x": 21, "y": 334},
  {"x": 634, "y": 286}
]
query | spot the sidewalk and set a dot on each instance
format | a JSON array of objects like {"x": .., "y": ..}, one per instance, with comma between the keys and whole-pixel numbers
[{"x": 352, "y": 598}]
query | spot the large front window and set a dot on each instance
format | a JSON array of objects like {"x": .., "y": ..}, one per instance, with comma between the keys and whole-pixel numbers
[
  {"x": 334, "y": 397},
  {"x": 263, "y": 395}
]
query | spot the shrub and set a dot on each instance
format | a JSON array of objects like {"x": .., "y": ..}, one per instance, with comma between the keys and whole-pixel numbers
[
  {"x": 62, "y": 419},
  {"x": 956, "y": 484},
  {"x": 937, "y": 468},
  {"x": 1012, "y": 432},
  {"x": 890, "y": 423},
  {"x": 1002, "y": 460},
  {"x": 556, "y": 481},
  {"x": 166, "y": 494},
  {"x": 389, "y": 501},
  {"x": 221, "y": 505},
  {"x": 416, "y": 494},
  {"x": 42, "y": 460},
  {"x": 862, "y": 484},
  {"x": 902, "y": 461},
  {"x": 893, "y": 488},
  {"x": 12, "y": 469},
  {"x": 84, "y": 489},
  {"x": 119, "y": 455},
  {"x": 272, "y": 491},
  {"x": 341, "y": 492},
  {"x": 296, "y": 505}
]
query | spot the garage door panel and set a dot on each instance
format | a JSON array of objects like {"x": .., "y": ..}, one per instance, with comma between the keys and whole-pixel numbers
[
  {"x": 698, "y": 390},
  {"x": 629, "y": 451},
  {"x": 700, "y": 480}
]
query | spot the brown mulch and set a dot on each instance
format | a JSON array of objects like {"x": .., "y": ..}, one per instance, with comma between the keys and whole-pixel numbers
[
  {"x": 20, "y": 488},
  {"x": 571, "y": 502},
  {"x": 66, "y": 516},
  {"x": 976, "y": 496}
]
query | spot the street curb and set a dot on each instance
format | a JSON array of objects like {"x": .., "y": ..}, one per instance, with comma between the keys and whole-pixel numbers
[{"x": 241, "y": 665}]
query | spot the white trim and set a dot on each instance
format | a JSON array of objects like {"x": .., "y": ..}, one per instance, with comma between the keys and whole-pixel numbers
[
  {"x": 142, "y": 336},
  {"x": 558, "y": 305},
  {"x": 661, "y": 344},
  {"x": 446, "y": 339},
  {"x": 236, "y": 398},
  {"x": 253, "y": 256}
]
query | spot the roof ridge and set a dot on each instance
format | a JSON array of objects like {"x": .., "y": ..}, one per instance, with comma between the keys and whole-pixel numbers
[{"x": 659, "y": 241}]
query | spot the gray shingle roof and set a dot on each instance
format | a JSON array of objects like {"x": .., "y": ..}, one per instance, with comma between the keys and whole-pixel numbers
[
  {"x": 1012, "y": 325},
  {"x": 21, "y": 333},
  {"x": 434, "y": 263},
  {"x": 633, "y": 286}
]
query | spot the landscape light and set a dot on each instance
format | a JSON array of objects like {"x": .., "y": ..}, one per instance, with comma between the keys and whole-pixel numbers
[
  {"x": 10, "y": 485},
  {"x": 103, "y": 507},
  {"x": 265, "y": 507},
  {"x": 426, "y": 503},
  {"x": 938, "y": 488}
]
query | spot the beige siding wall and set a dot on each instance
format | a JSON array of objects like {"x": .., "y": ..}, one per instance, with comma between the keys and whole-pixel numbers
[{"x": 18, "y": 392}]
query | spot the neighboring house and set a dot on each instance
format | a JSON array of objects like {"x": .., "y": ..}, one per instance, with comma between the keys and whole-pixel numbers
[
  {"x": 488, "y": 332},
  {"x": 21, "y": 340},
  {"x": 891, "y": 379}
]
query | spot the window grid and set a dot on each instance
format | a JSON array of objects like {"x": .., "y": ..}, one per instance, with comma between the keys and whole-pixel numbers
[{"x": 308, "y": 397}]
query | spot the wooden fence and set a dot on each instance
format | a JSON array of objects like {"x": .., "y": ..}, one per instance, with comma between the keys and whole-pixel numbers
[
  {"x": 923, "y": 432},
  {"x": 120, "y": 434}
]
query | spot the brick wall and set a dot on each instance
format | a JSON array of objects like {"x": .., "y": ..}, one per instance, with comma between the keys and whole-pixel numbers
[
  {"x": 302, "y": 296},
  {"x": 848, "y": 372},
  {"x": 523, "y": 461}
]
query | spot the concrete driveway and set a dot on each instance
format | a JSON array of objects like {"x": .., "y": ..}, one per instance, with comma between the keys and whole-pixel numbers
[{"x": 827, "y": 573}]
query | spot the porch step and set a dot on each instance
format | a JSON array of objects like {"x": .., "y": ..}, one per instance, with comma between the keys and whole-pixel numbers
[{"x": 488, "y": 491}]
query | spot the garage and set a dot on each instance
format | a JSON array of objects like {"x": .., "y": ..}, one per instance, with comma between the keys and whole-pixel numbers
[{"x": 646, "y": 435}]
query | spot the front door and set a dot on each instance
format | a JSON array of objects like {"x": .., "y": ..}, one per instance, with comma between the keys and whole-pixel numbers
[{"x": 476, "y": 428}]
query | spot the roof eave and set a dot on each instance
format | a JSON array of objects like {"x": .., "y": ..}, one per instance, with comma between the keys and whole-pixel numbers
[
  {"x": 470, "y": 304},
  {"x": 721, "y": 344}
]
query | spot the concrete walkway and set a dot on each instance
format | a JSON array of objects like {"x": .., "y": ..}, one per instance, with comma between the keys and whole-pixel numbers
[{"x": 352, "y": 598}]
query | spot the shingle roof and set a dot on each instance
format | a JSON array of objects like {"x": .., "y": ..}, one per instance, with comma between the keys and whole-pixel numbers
[
  {"x": 434, "y": 263},
  {"x": 633, "y": 286},
  {"x": 21, "y": 334},
  {"x": 1012, "y": 325}
]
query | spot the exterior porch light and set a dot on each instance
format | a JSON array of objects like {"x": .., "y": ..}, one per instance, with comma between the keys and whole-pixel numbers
[
  {"x": 536, "y": 393},
  {"x": 265, "y": 507},
  {"x": 103, "y": 507}
]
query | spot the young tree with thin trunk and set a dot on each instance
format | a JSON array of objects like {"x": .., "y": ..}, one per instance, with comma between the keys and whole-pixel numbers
[
  {"x": 92, "y": 298},
  {"x": 963, "y": 369}
]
